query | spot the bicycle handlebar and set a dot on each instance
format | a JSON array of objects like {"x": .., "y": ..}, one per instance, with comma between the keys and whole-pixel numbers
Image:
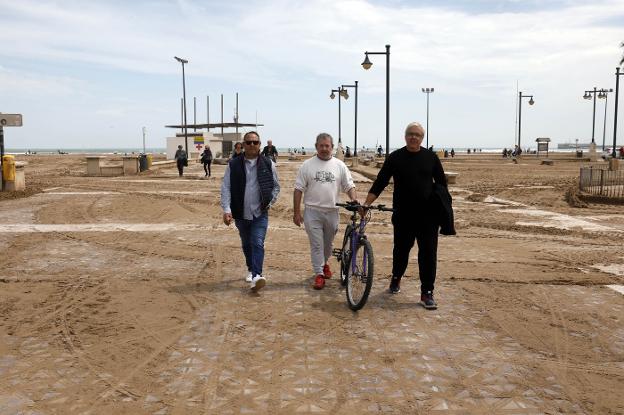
[{"x": 354, "y": 207}]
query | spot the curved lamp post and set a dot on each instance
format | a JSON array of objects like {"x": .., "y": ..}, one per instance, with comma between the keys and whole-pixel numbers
[
  {"x": 341, "y": 93},
  {"x": 531, "y": 102},
  {"x": 427, "y": 91},
  {"x": 346, "y": 96},
  {"x": 367, "y": 65},
  {"x": 183, "y": 61}
]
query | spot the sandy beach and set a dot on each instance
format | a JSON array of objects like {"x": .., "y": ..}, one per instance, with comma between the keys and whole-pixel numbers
[{"x": 126, "y": 295}]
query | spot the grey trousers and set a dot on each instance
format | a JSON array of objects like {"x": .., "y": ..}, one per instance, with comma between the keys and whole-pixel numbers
[{"x": 321, "y": 227}]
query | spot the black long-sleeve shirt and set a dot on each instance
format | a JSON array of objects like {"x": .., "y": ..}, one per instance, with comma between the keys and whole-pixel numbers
[{"x": 414, "y": 174}]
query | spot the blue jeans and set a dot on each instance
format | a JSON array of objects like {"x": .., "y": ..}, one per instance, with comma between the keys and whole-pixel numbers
[{"x": 252, "y": 234}]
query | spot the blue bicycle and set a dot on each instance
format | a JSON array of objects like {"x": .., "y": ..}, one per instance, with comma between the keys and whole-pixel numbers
[{"x": 356, "y": 256}]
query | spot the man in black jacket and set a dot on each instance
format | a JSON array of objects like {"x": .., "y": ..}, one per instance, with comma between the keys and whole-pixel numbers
[
  {"x": 417, "y": 211},
  {"x": 250, "y": 187}
]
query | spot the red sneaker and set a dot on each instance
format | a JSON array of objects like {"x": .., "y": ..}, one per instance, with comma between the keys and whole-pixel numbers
[
  {"x": 327, "y": 274},
  {"x": 319, "y": 282}
]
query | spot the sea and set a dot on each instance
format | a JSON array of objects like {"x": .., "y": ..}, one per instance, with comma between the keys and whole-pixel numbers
[{"x": 283, "y": 150}]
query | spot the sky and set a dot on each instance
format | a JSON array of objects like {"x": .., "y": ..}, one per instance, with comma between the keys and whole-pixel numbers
[{"x": 92, "y": 74}]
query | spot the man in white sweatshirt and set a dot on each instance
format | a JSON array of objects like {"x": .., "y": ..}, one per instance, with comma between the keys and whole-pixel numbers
[{"x": 320, "y": 181}]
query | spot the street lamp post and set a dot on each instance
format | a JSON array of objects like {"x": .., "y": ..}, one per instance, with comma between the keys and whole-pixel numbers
[
  {"x": 531, "y": 102},
  {"x": 332, "y": 96},
  {"x": 588, "y": 95},
  {"x": 346, "y": 96},
  {"x": 366, "y": 65},
  {"x": 427, "y": 91},
  {"x": 183, "y": 61},
  {"x": 604, "y": 95},
  {"x": 617, "y": 91}
]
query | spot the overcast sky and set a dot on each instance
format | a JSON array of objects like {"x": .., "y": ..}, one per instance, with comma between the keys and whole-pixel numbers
[{"x": 92, "y": 74}]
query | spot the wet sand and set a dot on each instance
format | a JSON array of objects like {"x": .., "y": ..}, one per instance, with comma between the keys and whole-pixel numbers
[{"x": 127, "y": 295}]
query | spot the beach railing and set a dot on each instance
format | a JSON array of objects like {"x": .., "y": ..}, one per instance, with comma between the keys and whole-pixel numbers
[{"x": 599, "y": 181}]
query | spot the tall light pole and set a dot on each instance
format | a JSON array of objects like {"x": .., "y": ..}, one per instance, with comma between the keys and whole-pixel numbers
[
  {"x": 183, "y": 61},
  {"x": 427, "y": 91},
  {"x": 366, "y": 65},
  {"x": 346, "y": 96},
  {"x": 604, "y": 95},
  {"x": 531, "y": 102},
  {"x": 588, "y": 95},
  {"x": 617, "y": 91},
  {"x": 332, "y": 96},
  {"x": 143, "y": 140}
]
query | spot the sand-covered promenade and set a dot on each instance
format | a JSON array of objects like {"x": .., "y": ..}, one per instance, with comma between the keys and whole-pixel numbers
[{"x": 126, "y": 295}]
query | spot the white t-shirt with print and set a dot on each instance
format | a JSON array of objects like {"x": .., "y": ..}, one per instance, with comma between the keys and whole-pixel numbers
[{"x": 322, "y": 180}]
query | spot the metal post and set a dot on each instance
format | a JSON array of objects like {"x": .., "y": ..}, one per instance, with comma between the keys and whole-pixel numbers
[
  {"x": 604, "y": 126},
  {"x": 339, "y": 127},
  {"x": 387, "y": 100},
  {"x": 355, "y": 135},
  {"x": 594, "y": 117},
  {"x": 427, "y": 119},
  {"x": 237, "y": 115},
  {"x": 617, "y": 90},
  {"x": 143, "y": 140},
  {"x": 194, "y": 113},
  {"x": 182, "y": 112},
  {"x": 519, "y": 116},
  {"x": 222, "y": 117},
  {"x": 207, "y": 111},
  {"x": 184, "y": 100}
]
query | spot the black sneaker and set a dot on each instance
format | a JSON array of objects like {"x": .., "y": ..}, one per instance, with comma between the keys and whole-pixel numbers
[
  {"x": 395, "y": 286},
  {"x": 427, "y": 301}
]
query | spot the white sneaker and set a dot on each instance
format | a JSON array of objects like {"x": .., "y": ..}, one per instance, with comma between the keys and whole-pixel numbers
[
  {"x": 258, "y": 282},
  {"x": 249, "y": 277}
]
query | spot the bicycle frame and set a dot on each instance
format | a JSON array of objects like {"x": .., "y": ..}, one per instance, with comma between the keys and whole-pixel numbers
[{"x": 357, "y": 233}]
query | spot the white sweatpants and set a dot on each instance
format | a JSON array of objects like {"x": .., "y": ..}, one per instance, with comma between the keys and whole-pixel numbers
[{"x": 321, "y": 227}]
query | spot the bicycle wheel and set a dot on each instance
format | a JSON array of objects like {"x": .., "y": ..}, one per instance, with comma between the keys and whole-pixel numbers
[
  {"x": 345, "y": 256},
  {"x": 360, "y": 275}
]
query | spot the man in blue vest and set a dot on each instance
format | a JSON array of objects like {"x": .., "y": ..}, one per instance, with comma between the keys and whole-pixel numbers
[{"x": 250, "y": 187}]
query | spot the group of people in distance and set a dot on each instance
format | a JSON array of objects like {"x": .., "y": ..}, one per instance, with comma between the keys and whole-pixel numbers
[{"x": 421, "y": 203}]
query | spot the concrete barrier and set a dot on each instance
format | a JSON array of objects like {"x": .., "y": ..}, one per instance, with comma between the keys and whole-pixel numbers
[{"x": 451, "y": 177}]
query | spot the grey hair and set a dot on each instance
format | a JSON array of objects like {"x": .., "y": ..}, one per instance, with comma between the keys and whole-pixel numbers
[
  {"x": 323, "y": 136},
  {"x": 414, "y": 124}
]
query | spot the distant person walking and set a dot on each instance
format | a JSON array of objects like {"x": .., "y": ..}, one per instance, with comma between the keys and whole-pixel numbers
[
  {"x": 320, "y": 180},
  {"x": 420, "y": 200},
  {"x": 238, "y": 150},
  {"x": 181, "y": 160},
  {"x": 270, "y": 151},
  {"x": 250, "y": 187},
  {"x": 206, "y": 159}
]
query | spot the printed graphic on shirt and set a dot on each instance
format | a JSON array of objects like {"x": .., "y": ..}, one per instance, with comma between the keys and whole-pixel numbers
[{"x": 324, "y": 177}]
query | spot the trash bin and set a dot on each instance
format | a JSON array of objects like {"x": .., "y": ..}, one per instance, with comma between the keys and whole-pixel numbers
[
  {"x": 149, "y": 161},
  {"x": 579, "y": 153},
  {"x": 142, "y": 162},
  {"x": 8, "y": 168}
]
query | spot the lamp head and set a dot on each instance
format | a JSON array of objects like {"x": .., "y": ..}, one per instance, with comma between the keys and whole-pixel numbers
[
  {"x": 183, "y": 61},
  {"x": 332, "y": 96},
  {"x": 345, "y": 95},
  {"x": 367, "y": 63},
  {"x": 587, "y": 96},
  {"x": 531, "y": 102}
]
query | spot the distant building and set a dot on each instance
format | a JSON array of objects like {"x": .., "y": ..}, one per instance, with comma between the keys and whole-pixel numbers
[{"x": 221, "y": 144}]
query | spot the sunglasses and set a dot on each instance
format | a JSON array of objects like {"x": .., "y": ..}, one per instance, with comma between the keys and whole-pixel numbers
[{"x": 252, "y": 142}]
